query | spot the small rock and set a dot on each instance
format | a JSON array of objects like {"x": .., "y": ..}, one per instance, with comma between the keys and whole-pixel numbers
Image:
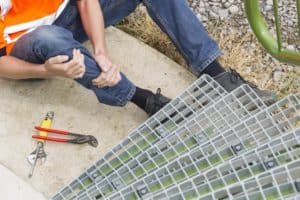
[
  {"x": 278, "y": 75},
  {"x": 213, "y": 14},
  {"x": 268, "y": 8},
  {"x": 269, "y": 2},
  {"x": 233, "y": 9},
  {"x": 223, "y": 13},
  {"x": 226, "y": 5},
  {"x": 291, "y": 47}
]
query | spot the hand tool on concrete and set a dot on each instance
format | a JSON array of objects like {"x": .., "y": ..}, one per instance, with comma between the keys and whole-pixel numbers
[
  {"x": 78, "y": 138},
  {"x": 39, "y": 152}
]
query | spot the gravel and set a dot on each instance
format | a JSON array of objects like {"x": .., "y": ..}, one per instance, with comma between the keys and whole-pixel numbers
[
  {"x": 231, "y": 10},
  {"x": 225, "y": 21},
  {"x": 231, "y": 13}
]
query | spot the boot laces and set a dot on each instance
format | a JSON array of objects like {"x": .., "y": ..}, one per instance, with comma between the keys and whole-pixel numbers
[
  {"x": 157, "y": 101},
  {"x": 235, "y": 77}
]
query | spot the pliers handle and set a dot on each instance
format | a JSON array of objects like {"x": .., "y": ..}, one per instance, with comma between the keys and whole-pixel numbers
[{"x": 79, "y": 138}]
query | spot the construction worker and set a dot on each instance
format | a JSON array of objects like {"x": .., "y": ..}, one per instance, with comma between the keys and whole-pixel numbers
[{"x": 43, "y": 38}]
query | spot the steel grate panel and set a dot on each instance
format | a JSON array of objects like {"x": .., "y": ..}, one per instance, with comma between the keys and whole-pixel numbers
[
  {"x": 276, "y": 153},
  {"x": 203, "y": 92},
  {"x": 271, "y": 123},
  {"x": 229, "y": 110}
]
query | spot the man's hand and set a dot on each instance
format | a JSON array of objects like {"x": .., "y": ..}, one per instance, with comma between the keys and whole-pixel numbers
[
  {"x": 92, "y": 20},
  {"x": 110, "y": 75},
  {"x": 59, "y": 66}
]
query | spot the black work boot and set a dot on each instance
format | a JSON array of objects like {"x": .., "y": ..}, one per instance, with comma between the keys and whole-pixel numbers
[
  {"x": 155, "y": 102},
  {"x": 232, "y": 79}
]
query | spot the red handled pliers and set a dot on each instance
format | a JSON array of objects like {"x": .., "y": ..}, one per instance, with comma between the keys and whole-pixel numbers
[{"x": 79, "y": 138}]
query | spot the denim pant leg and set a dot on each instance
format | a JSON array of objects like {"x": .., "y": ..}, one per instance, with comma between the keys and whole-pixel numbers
[
  {"x": 48, "y": 41},
  {"x": 113, "y": 12},
  {"x": 188, "y": 34},
  {"x": 174, "y": 17}
]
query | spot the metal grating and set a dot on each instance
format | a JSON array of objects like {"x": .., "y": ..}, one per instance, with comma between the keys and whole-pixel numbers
[
  {"x": 279, "y": 183},
  {"x": 257, "y": 130},
  {"x": 214, "y": 183},
  {"x": 228, "y": 111},
  {"x": 202, "y": 93},
  {"x": 206, "y": 144}
]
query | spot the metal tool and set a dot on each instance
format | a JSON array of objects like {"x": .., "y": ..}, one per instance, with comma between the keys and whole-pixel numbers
[
  {"x": 78, "y": 138},
  {"x": 39, "y": 152}
]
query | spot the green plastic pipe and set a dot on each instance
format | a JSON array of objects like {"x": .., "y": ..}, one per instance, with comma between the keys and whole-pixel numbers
[
  {"x": 298, "y": 14},
  {"x": 259, "y": 27}
]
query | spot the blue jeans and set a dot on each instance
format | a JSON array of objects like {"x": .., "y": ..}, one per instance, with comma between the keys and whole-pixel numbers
[{"x": 174, "y": 17}]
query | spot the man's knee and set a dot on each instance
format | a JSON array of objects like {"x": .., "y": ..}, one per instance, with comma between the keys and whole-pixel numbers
[
  {"x": 48, "y": 41},
  {"x": 50, "y": 35},
  {"x": 41, "y": 43}
]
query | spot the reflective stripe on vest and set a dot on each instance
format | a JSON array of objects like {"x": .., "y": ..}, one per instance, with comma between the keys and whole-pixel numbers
[{"x": 30, "y": 26}]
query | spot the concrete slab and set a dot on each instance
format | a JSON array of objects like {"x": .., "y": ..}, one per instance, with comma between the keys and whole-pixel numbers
[
  {"x": 13, "y": 187},
  {"x": 23, "y": 104}
]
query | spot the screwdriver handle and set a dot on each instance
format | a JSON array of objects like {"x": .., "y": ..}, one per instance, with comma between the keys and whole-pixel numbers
[{"x": 46, "y": 123}]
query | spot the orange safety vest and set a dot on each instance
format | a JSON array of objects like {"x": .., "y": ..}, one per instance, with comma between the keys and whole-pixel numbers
[{"x": 26, "y": 15}]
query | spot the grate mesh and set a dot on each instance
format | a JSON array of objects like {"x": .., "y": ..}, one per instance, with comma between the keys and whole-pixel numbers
[
  {"x": 205, "y": 143},
  {"x": 255, "y": 131},
  {"x": 215, "y": 183},
  {"x": 202, "y": 93},
  {"x": 229, "y": 110}
]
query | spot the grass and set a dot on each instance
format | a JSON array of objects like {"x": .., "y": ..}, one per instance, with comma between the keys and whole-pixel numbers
[
  {"x": 131, "y": 197},
  {"x": 180, "y": 148},
  {"x": 105, "y": 169},
  {"x": 140, "y": 25},
  {"x": 159, "y": 160},
  {"x": 170, "y": 154},
  {"x": 179, "y": 176},
  {"x": 216, "y": 185},
  {"x": 149, "y": 166},
  {"x": 214, "y": 159},
  {"x": 231, "y": 179},
  {"x": 226, "y": 154},
  {"x": 272, "y": 194},
  {"x": 244, "y": 174},
  {"x": 286, "y": 190},
  {"x": 257, "y": 169},
  {"x": 133, "y": 150},
  {"x": 87, "y": 182},
  {"x": 203, "y": 164},
  {"x": 128, "y": 178},
  {"x": 203, "y": 190},
  {"x": 155, "y": 187},
  {"x": 166, "y": 182},
  {"x": 151, "y": 138},
  {"x": 143, "y": 144},
  {"x": 191, "y": 170},
  {"x": 107, "y": 190},
  {"x": 242, "y": 53},
  {"x": 190, "y": 142},
  {"x": 138, "y": 172},
  {"x": 124, "y": 156},
  {"x": 190, "y": 195},
  {"x": 115, "y": 163}
]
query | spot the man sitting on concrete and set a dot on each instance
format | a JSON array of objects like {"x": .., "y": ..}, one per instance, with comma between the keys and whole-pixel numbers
[{"x": 42, "y": 38}]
